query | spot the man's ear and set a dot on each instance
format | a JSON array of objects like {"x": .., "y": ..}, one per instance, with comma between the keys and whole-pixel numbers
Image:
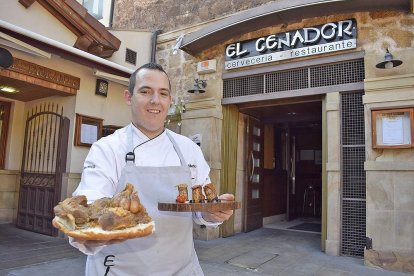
[{"x": 127, "y": 97}]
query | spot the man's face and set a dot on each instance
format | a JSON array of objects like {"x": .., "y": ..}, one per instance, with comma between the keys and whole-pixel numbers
[{"x": 150, "y": 101}]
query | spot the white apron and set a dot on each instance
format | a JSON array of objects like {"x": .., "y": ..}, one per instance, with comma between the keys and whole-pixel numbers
[{"x": 170, "y": 249}]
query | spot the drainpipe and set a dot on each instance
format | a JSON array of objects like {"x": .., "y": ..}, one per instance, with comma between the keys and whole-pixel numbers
[
  {"x": 111, "y": 14},
  {"x": 154, "y": 44}
]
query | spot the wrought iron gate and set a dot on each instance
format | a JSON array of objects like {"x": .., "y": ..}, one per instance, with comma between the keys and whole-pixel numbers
[{"x": 43, "y": 162}]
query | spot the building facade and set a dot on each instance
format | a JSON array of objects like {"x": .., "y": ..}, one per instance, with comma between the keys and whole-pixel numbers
[
  {"x": 62, "y": 78},
  {"x": 298, "y": 117}
]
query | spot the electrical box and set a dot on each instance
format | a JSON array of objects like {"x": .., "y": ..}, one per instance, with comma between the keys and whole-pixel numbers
[{"x": 207, "y": 66}]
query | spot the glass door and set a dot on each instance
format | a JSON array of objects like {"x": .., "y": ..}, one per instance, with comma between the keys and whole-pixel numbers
[{"x": 254, "y": 193}]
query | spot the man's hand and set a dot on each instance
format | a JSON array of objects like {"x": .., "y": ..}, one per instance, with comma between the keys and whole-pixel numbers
[{"x": 219, "y": 216}]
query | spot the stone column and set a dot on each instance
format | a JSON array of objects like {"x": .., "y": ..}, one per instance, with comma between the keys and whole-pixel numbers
[
  {"x": 204, "y": 116},
  {"x": 333, "y": 174}
]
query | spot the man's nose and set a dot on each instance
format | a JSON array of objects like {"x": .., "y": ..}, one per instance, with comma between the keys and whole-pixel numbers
[{"x": 155, "y": 98}]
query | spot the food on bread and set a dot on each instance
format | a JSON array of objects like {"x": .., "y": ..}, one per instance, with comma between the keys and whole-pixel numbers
[
  {"x": 75, "y": 209},
  {"x": 136, "y": 206},
  {"x": 182, "y": 191},
  {"x": 98, "y": 234},
  {"x": 97, "y": 207},
  {"x": 197, "y": 193},
  {"x": 210, "y": 192},
  {"x": 120, "y": 217}
]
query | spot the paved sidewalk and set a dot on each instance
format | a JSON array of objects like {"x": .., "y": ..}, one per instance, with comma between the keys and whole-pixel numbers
[{"x": 260, "y": 252}]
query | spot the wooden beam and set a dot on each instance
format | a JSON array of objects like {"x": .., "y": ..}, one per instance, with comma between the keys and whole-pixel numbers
[
  {"x": 83, "y": 43},
  {"x": 26, "y": 3},
  {"x": 88, "y": 29}
]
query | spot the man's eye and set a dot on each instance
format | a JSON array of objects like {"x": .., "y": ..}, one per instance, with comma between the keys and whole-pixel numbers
[
  {"x": 165, "y": 94},
  {"x": 144, "y": 91}
]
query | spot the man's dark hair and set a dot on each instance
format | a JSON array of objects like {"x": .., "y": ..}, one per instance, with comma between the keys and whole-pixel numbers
[{"x": 150, "y": 66}]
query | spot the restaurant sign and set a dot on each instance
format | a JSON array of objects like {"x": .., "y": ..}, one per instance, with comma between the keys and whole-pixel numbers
[{"x": 326, "y": 38}]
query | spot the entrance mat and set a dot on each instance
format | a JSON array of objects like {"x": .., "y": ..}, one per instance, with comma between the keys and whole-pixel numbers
[
  {"x": 307, "y": 226},
  {"x": 252, "y": 259}
]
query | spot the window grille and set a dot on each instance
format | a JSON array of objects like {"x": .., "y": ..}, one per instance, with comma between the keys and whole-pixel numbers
[
  {"x": 287, "y": 80},
  {"x": 295, "y": 79},
  {"x": 244, "y": 86},
  {"x": 337, "y": 73},
  {"x": 353, "y": 174},
  {"x": 131, "y": 56}
]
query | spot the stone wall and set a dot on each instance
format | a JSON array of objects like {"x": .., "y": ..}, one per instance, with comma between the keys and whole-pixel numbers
[
  {"x": 169, "y": 15},
  {"x": 390, "y": 180},
  {"x": 9, "y": 194},
  {"x": 389, "y": 172},
  {"x": 70, "y": 182}
]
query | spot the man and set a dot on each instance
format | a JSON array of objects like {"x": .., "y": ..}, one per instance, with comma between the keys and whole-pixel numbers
[{"x": 154, "y": 160}]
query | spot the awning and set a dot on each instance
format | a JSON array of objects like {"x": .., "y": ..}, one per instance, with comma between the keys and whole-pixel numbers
[{"x": 276, "y": 13}]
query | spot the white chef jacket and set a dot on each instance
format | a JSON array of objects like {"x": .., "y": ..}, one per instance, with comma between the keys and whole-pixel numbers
[{"x": 106, "y": 158}]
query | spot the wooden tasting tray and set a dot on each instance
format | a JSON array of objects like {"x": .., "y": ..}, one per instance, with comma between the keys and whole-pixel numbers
[{"x": 201, "y": 207}]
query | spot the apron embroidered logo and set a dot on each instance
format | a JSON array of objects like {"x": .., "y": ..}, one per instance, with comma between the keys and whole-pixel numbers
[
  {"x": 108, "y": 262},
  {"x": 89, "y": 167}
]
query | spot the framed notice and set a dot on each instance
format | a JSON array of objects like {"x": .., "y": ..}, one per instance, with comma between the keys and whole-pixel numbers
[
  {"x": 87, "y": 130},
  {"x": 392, "y": 128}
]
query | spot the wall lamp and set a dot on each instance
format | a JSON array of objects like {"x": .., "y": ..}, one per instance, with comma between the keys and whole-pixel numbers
[
  {"x": 388, "y": 62},
  {"x": 198, "y": 86},
  {"x": 6, "y": 58}
]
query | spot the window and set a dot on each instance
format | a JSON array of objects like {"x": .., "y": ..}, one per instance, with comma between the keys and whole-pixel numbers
[
  {"x": 100, "y": 9},
  {"x": 4, "y": 125}
]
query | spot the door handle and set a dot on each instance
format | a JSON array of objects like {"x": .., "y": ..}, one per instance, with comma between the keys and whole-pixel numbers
[
  {"x": 293, "y": 175},
  {"x": 252, "y": 158}
]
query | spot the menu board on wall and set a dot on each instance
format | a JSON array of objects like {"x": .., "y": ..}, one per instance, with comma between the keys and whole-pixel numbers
[
  {"x": 89, "y": 133},
  {"x": 392, "y": 128},
  {"x": 87, "y": 130}
]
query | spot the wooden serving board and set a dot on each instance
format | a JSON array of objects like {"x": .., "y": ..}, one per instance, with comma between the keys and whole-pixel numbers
[{"x": 198, "y": 207}]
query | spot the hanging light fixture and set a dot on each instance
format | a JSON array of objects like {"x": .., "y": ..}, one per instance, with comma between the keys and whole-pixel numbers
[
  {"x": 198, "y": 86},
  {"x": 389, "y": 62}
]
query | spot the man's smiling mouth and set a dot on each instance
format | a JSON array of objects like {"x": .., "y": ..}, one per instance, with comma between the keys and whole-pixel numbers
[{"x": 154, "y": 111}]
